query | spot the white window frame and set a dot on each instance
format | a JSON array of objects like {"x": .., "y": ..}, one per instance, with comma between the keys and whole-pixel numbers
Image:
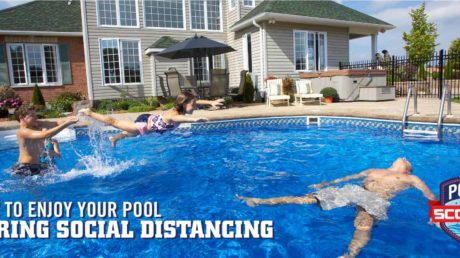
[
  {"x": 117, "y": 10},
  {"x": 184, "y": 18},
  {"x": 252, "y": 5},
  {"x": 206, "y": 17},
  {"x": 307, "y": 64},
  {"x": 192, "y": 72},
  {"x": 230, "y": 7},
  {"x": 26, "y": 66},
  {"x": 120, "y": 58}
]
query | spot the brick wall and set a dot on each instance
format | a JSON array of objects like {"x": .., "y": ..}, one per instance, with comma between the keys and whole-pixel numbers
[{"x": 77, "y": 61}]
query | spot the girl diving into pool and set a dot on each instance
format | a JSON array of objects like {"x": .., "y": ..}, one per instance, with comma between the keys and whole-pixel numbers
[{"x": 149, "y": 123}]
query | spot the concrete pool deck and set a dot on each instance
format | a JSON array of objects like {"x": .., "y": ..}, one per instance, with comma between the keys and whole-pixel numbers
[{"x": 392, "y": 110}]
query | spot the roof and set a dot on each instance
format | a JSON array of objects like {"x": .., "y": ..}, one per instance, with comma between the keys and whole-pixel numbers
[
  {"x": 164, "y": 42},
  {"x": 46, "y": 16},
  {"x": 324, "y": 9}
]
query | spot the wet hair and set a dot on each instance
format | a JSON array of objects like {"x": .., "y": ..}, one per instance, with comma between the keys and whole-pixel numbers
[
  {"x": 183, "y": 99},
  {"x": 22, "y": 112}
]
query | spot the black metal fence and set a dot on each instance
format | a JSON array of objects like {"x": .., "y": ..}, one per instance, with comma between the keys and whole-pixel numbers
[{"x": 427, "y": 76}]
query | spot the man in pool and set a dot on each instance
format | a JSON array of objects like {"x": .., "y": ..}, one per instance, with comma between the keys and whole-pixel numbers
[
  {"x": 372, "y": 199},
  {"x": 31, "y": 140}
]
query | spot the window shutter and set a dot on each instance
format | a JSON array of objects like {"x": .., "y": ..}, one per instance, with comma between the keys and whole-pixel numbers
[
  {"x": 4, "y": 78},
  {"x": 66, "y": 70}
]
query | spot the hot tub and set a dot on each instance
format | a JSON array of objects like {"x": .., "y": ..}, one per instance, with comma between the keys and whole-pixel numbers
[{"x": 352, "y": 85}]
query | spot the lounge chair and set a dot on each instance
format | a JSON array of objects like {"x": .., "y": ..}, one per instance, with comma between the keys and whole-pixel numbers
[
  {"x": 172, "y": 79},
  {"x": 305, "y": 91},
  {"x": 275, "y": 92},
  {"x": 219, "y": 83}
]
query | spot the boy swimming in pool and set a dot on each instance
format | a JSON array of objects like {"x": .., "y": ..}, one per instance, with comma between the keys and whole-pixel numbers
[
  {"x": 372, "y": 199},
  {"x": 31, "y": 136},
  {"x": 184, "y": 105}
]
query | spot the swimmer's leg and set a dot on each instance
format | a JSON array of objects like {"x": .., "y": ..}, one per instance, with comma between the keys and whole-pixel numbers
[
  {"x": 122, "y": 135},
  {"x": 307, "y": 199},
  {"x": 364, "y": 223},
  {"x": 127, "y": 126}
]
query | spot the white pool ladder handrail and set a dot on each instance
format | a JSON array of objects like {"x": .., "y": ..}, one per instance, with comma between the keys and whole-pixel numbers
[{"x": 425, "y": 134}]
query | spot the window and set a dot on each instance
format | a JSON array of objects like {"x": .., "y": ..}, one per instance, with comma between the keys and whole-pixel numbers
[
  {"x": 164, "y": 14},
  {"x": 248, "y": 3},
  {"x": 33, "y": 64},
  {"x": 232, "y": 4},
  {"x": 201, "y": 66},
  {"x": 120, "y": 61},
  {"x": 205, "y": 14},
  {"x": 117, "y": 13},
  {"x": 310, "y": 52}
]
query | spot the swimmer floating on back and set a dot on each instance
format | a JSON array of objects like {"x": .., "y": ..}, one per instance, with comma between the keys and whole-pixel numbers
[
  {"x": 372, "y": 199},
  {"x": 149, "y": 123}
]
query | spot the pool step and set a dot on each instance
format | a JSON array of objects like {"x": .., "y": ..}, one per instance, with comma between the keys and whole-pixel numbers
[
  {"x": 313, "y": 120},
  {"x": 420, "y": 135}
]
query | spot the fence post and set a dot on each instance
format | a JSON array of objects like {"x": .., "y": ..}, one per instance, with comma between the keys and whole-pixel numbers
[
  {"x": 393, "y": 68},
  {"x": 441, "y": 72},
  {"x": 340, "y": 65}
]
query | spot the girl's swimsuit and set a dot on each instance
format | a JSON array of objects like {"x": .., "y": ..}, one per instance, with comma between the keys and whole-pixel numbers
[{"x": 155, "y": 123}]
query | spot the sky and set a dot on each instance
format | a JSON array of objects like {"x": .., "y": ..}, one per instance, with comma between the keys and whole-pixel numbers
[{"x": 444, "y": 13}]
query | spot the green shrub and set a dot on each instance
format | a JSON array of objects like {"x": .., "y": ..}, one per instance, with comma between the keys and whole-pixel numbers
[
  {"x": 435, "y": 75},
  {"x": 48, "y": 113},
  {"x": 228, "y": 101},
  {"x": 37, "y": 97},
  {"x": 64, "y": 101},
  {"x": 106, "y": 105},
  {"x": 448, "y": 71},
  {"x": 167, "y": 106},
  {"x": 330, "y": 92},
  {"x": 7, "y": 92},
  {"x": 248, "y": 90},
  {"x": 141, "y": 108},
  {"x": 152, "y": 101}
]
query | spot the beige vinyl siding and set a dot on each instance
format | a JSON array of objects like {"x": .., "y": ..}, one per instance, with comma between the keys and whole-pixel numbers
[
  {"x": 147, "y": 36},
  {"x": 280, "y": 47}
]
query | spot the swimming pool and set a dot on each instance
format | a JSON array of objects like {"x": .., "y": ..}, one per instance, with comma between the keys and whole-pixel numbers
[{"x": 195, "y": 174}]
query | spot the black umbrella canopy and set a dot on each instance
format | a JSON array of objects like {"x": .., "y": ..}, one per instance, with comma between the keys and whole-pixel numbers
[{"x": 195, "y": 47}]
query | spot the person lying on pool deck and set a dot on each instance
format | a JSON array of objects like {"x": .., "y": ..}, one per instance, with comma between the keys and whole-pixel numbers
[
  {"x": 184, "y": 105},
  {"x": 372, "y": 199},
  {"x": 31, "y": 136}
]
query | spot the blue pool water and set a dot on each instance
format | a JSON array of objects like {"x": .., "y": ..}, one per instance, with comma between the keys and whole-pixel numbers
[{"x": 195, "y": 176}]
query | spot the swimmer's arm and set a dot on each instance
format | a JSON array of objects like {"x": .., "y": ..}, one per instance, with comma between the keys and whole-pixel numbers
[
  {"x": 187, "y": 119},
  {"x": 33, "y": 134},
  {"x": 419, "y": 184},
  {"x": 343, "y": 179},
  {"x": 214, "y": 103}
]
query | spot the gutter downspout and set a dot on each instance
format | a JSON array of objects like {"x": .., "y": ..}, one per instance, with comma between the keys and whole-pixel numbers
[
  {"x": 84, "y": 24},
  {"x": 262, "y": 55}
]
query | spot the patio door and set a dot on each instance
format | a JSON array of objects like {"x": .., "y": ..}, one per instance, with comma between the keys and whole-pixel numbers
[
  {"x": 316, "y": 51},
  {"x": 247, "y": 52}
]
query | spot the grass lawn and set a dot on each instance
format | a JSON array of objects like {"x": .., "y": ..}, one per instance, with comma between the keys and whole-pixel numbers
[{"x": 456, "y": 100}]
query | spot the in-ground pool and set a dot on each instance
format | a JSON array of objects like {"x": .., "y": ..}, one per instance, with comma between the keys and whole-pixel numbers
[{"x": 194, "y": 175}]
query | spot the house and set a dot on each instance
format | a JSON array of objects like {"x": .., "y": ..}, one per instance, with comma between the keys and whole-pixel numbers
[
  {"x": 41, "y": 42},
  {"x": 277, "y": 38}
]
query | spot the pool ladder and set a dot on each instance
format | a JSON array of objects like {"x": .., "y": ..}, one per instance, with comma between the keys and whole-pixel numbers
[{"x": 425, "y": 134}]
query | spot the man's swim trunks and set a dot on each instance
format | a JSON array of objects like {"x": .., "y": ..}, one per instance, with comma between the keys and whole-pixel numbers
[
  {"x": 25, "y": 169},
  {"x": 334, "y": 197}
]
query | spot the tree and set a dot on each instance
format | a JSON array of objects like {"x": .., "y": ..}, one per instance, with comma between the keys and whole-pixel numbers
[
  {"x": 421, "y": 41},
  {"x": 37, "y": 97},
  {"x": 455, "y": 49},
  {"x": 455, "y": 46}
]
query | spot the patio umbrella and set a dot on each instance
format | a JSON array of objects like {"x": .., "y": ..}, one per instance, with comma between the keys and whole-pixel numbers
[{"x": 197, "y": 46}]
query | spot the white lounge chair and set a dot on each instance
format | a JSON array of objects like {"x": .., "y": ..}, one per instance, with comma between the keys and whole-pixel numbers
[
  {"x": 305, "y": 91},
  {"x": 275, "y": 91}
]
